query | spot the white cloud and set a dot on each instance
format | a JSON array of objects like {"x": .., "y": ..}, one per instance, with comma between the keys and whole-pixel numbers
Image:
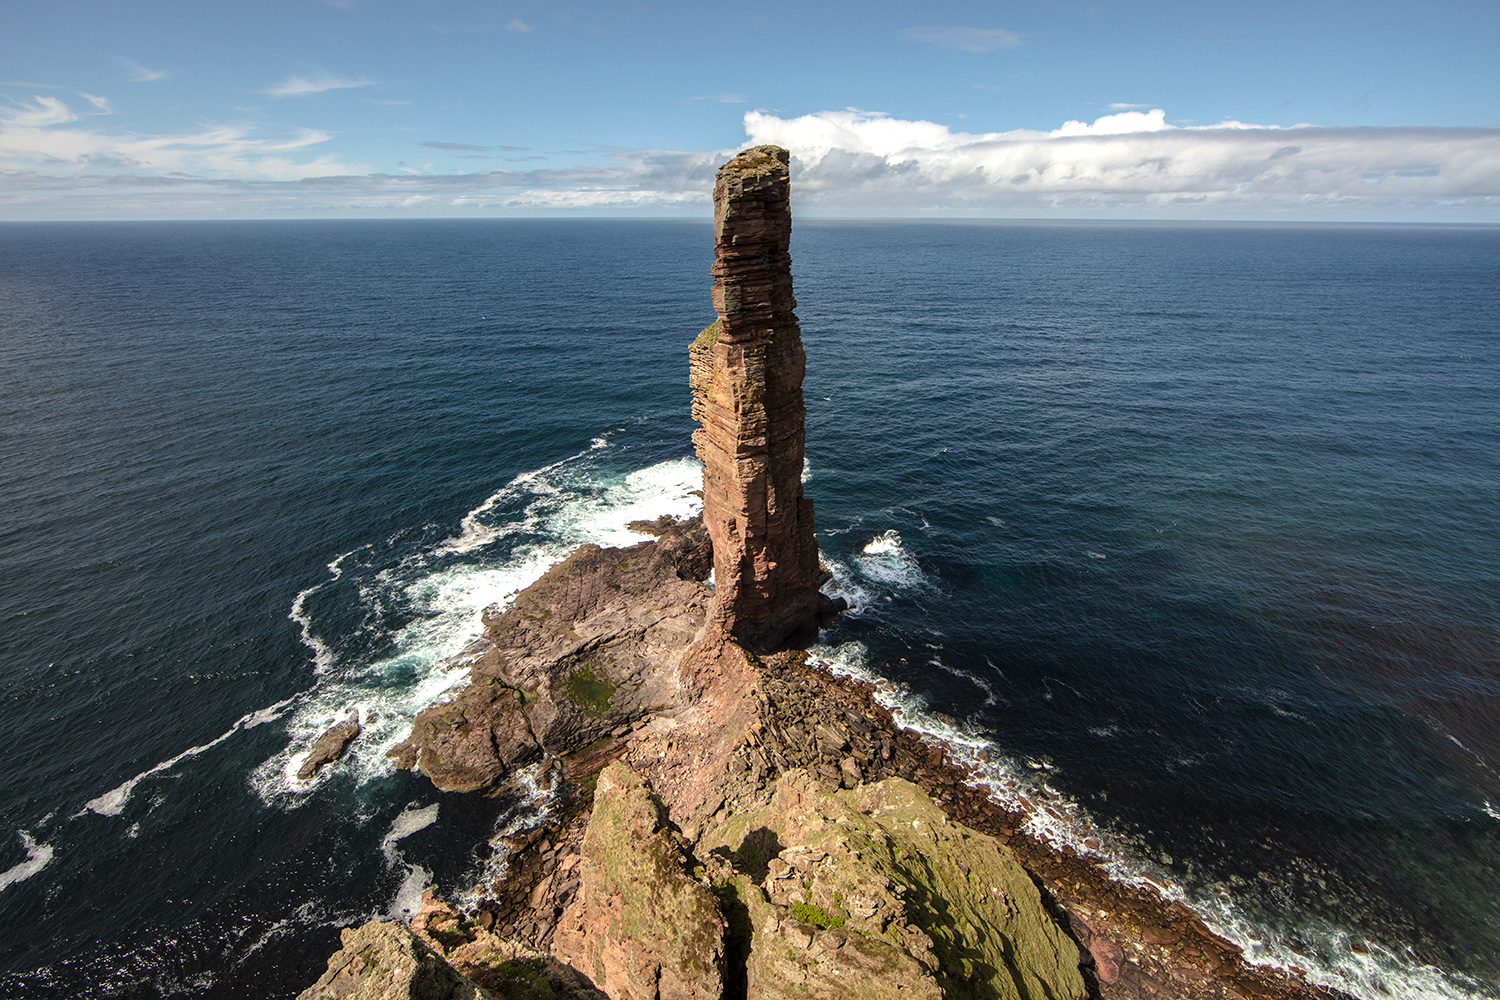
[
  {"x": 518, "y": 25},
  {"x": 102, "y": 103},
  {"x": 965, "y": 39},
  {"x": 721, "y": 98},
  {"x": 299, "y": 85},
  {"x": 56, "y": 163},
  {"x": 1120, "y": 123},
  {"x": 852, "y": 161},
  {"x": 142, "y": 74}
]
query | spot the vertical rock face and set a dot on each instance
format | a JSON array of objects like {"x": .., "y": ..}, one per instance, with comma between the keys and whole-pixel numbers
[{"x": 746, "y": 374}]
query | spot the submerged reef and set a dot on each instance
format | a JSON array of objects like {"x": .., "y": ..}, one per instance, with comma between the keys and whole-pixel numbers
[{"x": 731, "y": 820}]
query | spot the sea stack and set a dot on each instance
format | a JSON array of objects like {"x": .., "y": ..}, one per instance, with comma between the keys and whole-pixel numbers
[{"x": 746, "y": 374}]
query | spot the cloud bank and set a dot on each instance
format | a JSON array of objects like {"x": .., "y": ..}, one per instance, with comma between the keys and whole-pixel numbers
[
  {"x": 62, "y": 161},
  {"x": 1132, "y": 161}
]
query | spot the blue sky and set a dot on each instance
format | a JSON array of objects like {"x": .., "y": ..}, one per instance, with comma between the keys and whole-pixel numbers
[{"x": 390, "y": 108}]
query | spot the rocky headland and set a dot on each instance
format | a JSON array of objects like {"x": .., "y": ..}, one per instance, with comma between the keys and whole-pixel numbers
[{"x": 732, "y": 820}]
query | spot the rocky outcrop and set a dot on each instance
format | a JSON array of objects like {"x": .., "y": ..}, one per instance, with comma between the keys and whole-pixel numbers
[
  {"x": 872, "y": 892},
  {"x": 640, "y": 927},
  {"x": 746, "y": 374},
  {"x": 592, "y": 647},
  {"x": 385, "y": 961},
  {"x": 329, "y": 747}
]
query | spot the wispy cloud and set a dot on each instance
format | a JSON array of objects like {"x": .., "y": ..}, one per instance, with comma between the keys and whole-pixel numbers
[
  {"x": 31, "y": 86},
  {"x": 464, "y": 147},
  {"x": 142, "y": 74},
  {"x": 37, "y": 113},
  {"x": 965, "y": 39},
  {"x": 45, "y": 134},
  {"x": 300, "y": 85},
  {"x": 101, "y": 103},
  {"x": 1125, "y": 106},
  {"x": 634, "y": 181},
  {"x": 722, "y": 98},
  {"x": 518, "y": 25}
]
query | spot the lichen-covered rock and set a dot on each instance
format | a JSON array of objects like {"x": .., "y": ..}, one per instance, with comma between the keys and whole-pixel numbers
[
  {"x": 746, "y": 372},
  {"x": 384, "y": 961},
  {"x": 640, "y": 927},
  {"x": 872, "y": 892}
]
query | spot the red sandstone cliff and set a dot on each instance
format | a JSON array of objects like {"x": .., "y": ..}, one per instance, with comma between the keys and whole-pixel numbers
[{"x": 747, "y": 369}]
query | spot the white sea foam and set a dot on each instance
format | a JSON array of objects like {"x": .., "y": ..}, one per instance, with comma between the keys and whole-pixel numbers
[
  {"x": 409, "y": 896},
  {"x": 537, "y": 802},
  {"x": 886, "y": 560},
  {"x": 113, "y": 802},
  {"x": 407, "y": 823},
  {"x": 1489, "y": 810},
  {"x": 309, "y": 914},
  {"x": 842, "y": 583},
  {"x": 990, "y": 698},
  {"x": 323, "y": 656},
  {"x": 1331, "y": 957},
  {"x": 38, "y": 856},
  {"x": 441, "y": 593},
  {"x": 642, "y": 495}
]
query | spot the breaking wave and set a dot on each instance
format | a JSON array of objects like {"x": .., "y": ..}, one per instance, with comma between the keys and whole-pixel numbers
[{"x": 391, "y": 629}]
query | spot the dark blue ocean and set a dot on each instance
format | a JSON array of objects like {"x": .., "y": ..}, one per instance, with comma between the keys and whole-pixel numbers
[{"x": 1192, "y": 530}]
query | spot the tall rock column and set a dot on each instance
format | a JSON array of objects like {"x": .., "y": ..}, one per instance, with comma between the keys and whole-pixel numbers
[{"x": 746, "y": 374}]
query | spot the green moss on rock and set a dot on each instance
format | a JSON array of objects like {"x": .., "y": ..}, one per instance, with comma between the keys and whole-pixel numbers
[
  {"x": 589, "y": 690},
  {"x": 872, "y": 892},
  {"x": 640, "y": 925}
]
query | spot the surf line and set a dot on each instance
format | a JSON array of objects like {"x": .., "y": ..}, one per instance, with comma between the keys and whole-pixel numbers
[{"x": 113, "y": 802}]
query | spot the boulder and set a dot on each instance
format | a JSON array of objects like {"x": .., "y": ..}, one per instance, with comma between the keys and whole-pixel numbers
[
  {"x": 640, "y": 927},
  {"x": 329, "y": 747},
  {"x": 384, "y": 961},
  {"x": 873, "y": 892}
]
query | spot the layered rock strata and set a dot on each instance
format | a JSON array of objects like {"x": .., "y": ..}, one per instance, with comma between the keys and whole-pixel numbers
[
  {"x": 746, "y": 374},
  {"x": 594, "y": 646}
]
